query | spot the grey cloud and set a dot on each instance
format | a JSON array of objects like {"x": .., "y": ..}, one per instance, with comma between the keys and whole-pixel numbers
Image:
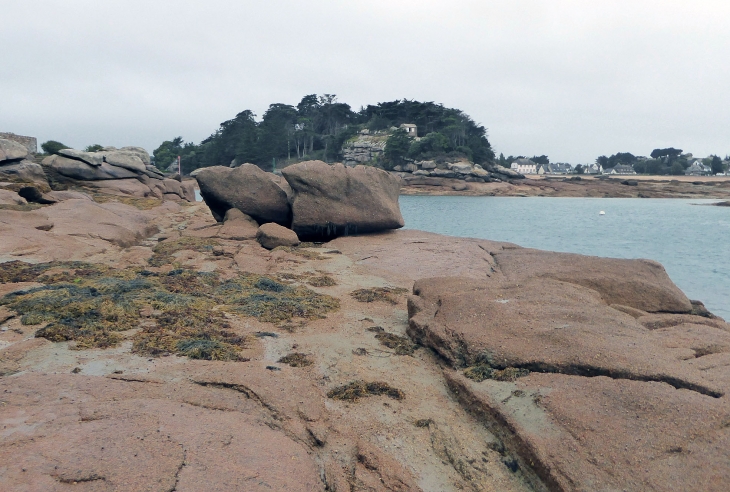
[{"x": 565, "y": 78}]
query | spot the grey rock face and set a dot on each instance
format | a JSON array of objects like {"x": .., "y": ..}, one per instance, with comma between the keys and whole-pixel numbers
[
  {"x": 506, "y": 173},
  {"x": 247, "y": 188},
  {"x": 75, "y": 169},
  {"x": 126, "y": 160},
  {"x": 91, "y": 158},
  {"x": 331, "y": 201},
  {"x": 364, "y": 149},
  {"x": 143, "y": 155},
  {"x": 22, "y": 171},
  {"x": 12, "y": 151}
]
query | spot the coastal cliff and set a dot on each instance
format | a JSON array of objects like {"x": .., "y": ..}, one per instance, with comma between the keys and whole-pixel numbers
[{"x": 145, "y": 345}]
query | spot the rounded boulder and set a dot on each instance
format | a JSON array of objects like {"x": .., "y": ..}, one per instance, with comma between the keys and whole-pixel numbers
[
  {"x": 272, "y": 235},
  {"x": 248, "y": 188},
  {"x": 333, "y": 200}
]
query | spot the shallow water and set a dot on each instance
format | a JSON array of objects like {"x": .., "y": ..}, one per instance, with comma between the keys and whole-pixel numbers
[{"x": 689, "y": 239}]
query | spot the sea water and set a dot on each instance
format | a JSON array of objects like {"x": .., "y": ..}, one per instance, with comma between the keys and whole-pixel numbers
[{"x": 689, "y": 237}]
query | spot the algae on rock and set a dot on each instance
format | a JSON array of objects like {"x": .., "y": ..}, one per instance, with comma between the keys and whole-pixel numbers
[
  {"x": 164, "y": 251},
  {"x": 385, "y": 294},
  {"x": 359, "y": 389},
  {"x": 91, "y": 304}
]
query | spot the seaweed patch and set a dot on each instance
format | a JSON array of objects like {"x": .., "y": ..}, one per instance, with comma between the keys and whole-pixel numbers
[
  {"x": 90, "y": 305},
  {"x": 164, "y": 251},
  {"x": 400, "y": 345},
  {"x": 384, "y": 294},
  {"x": 482, "y": 372},
  {"x": 359, "y": 389},
  {"x": 322, "y": 281},
  {"x": 296, "y": 359}
]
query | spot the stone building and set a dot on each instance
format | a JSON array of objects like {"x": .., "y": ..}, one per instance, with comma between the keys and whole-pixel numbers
[
  {"x": 411, "y": 130},
  {"x": 30, "y": 143}
]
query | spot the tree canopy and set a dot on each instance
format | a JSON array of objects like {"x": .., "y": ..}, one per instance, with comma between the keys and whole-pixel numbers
[
  {"x": 671, "y": 153},
  {"x": 625, "y": 158},
  {"x": 317, "y": 128},
  {"x": 52, "y": 147}
]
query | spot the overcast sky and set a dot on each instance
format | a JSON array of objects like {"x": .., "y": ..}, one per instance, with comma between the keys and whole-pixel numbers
[{"x": 572, "y": 79}]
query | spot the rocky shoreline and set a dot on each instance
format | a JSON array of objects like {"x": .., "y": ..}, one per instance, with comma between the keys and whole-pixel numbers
[
  {"x": 570, "y": 186},
  {"x": 150, "y": 343}
]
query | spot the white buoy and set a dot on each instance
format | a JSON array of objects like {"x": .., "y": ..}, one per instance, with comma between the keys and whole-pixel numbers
[{"x": 601, "y": 213}]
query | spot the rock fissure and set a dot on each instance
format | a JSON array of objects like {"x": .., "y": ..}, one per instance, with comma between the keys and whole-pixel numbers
[
  {"x": 594, "y": 371},
  {"x": 248, "y": 392},
  {"x": 179, "y": 470},
  {"x": 535, "y": 472}
]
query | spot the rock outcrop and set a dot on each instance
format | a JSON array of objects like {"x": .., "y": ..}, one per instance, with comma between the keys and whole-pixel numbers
[
  {"x": 125, "y": 171},
  {"x": 331, "y": 201},
  {"x": 74, "y": 228},
  {"x": 15, "y": 165},
  {"x": 590, "y": 390},
  {"x": 430, "y": 173},
  {"x": 274, "y": 385},
  {"x": 366, "y": 147},
  {"x": 247, "y": 188},
  {"x": 12, "y": 151}
]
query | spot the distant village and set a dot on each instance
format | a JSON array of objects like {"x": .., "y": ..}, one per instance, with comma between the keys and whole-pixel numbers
[{"x": 694, "y": 167}]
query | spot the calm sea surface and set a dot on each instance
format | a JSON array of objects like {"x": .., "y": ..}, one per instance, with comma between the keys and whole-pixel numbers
[{"x": 689, "y": 239}]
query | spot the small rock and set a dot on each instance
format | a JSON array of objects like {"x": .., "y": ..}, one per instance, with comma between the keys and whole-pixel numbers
[{"x": 272, "y": 235}]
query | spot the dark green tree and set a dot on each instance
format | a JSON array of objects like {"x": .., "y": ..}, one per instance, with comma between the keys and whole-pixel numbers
[
  {"x": 670, "y": 153},
  {"x": 676, "y": 169},
  {"x": 167, "y": 153},
  {"x": 540, "y": 159},
  {"x": 277, "y": 131},
  {"x": 52, "y": 147},
  {"x": 579, "y": 169},
  {"x": 716, "y": 165},
  {"x": 94, "y": 148},
  {"x": 396, "y": 148}
]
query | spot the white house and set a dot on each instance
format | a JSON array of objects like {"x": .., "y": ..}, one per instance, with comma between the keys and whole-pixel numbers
[
  {"x": 698, "y": 169},
  {"x": 622, "y": 169},
  {"x": 593, "y": 169},
  {"x": 526, "y": 166}
]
